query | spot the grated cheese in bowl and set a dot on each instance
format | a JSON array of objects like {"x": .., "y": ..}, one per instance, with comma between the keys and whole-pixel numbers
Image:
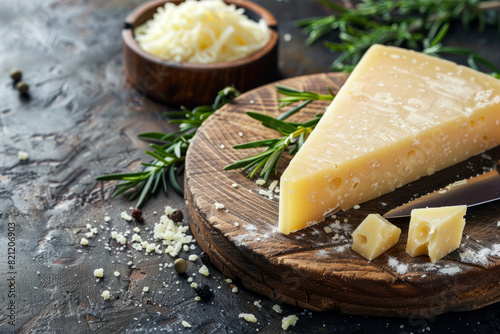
[{"x": 201, "y": 32}]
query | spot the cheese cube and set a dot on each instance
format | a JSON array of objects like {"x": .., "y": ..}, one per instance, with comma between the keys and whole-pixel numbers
[
  {"x": 400, "y": 115},
  {"x": 374, "y": 236},
  {"x": 435, "y": 232}
]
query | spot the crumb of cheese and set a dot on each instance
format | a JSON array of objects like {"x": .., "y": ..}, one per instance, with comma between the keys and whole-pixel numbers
[
  {"x": 219, "y": 206},
  {"x": 105, "y": 294},
  {"x": 291, "y": 320},
  {"x": 204, "y": 270},
  {"x": 99, "y": 272},
  {"x": 23, "y": 156},
  {"x": 248, "y": 317},
  {"x": 126, "y": 216}
]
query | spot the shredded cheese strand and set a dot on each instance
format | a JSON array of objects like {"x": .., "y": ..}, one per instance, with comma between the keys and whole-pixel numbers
[{"x": 202, "y": 32}]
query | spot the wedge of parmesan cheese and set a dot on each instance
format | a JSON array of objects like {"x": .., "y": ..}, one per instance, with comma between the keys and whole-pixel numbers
[
  {"x": 201, "y": 32},
  {"x": 400, "y": 115}
]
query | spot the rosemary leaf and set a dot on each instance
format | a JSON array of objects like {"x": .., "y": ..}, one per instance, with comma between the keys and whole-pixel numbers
[{"x": 169, "y": 156}]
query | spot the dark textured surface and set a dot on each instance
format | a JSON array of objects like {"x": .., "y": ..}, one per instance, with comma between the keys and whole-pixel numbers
[{"x": 81, "y": 121}]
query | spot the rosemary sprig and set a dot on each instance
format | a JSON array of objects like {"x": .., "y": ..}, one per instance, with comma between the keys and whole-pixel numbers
[
  {"x": 293, "y": 134},
  {"x": 169, "y": 152},
  {"x": 405, "y": 23}
]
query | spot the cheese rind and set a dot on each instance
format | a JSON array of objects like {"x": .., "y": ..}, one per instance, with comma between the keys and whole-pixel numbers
[
  {"x": 374, "y": 236},
  {"x": 399, "y": 116},
  {"x": 435, "y": 232}
]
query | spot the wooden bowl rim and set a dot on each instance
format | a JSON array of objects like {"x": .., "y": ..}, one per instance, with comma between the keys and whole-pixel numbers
[{"x": 128, "y": 37}]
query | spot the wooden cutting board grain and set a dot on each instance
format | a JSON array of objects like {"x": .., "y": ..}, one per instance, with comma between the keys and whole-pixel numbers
[{"x": 314, "y": 269}]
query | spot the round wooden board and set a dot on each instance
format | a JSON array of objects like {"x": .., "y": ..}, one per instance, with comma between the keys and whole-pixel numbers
[{"x": 314, "y": 269}]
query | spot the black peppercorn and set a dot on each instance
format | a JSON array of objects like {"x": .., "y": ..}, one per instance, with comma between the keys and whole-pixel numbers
[
  {"x": 204, "y": 291},
  {"x": 176, "y": 215},
  {"x": 137, "y": 215},
  {"x": 16, "y": 75},
  {"x": 204, "y": 258},
  {"x": 22, "y": 87}
]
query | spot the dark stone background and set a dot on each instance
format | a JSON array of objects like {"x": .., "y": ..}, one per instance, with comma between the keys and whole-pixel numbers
[{"x": 81, "y": 121}]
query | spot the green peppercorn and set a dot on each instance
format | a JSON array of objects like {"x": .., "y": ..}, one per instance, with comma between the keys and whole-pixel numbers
[
  {"x": 180, "y": 265},
  {"x": 22, "y": 87},
  {"x": 176, "y": 215},
  {"x": 16, "y": 75}
]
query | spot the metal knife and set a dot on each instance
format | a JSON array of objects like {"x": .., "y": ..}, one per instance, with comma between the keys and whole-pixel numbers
[{"x": 477, "y": 190}]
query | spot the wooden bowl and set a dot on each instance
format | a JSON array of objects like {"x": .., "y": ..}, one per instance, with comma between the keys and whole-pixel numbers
[{"x": 196, "y": 84}]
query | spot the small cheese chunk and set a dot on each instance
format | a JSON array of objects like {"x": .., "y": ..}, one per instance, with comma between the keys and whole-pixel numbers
[
  {"x": 374, "y": 236},
  {"x": 400, "y": 115},
  {"x": 435, "y": 232},
  {"x": 248, "y": 317},
  {"x": 99, "y": 272},
  {"x": 23, "y": 156},
  {"x": 288, "y": 321},
  {"x": 105, "y": 295}
]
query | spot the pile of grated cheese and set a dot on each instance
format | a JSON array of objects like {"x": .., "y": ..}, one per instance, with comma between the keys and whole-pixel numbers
[{"x": 202, "y": 32}]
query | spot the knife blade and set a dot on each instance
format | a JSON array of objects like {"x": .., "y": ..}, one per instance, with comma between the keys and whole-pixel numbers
[{"x": 477, "y": 190}]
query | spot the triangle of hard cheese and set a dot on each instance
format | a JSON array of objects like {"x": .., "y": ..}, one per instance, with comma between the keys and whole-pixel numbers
[{"x": 399, "y": 116}]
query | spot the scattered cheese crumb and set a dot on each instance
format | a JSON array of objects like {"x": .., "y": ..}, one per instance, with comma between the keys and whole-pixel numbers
[
  {"x": 84, "y": 242},
  {"x": 257, "y": 303},
  {"x": 219, "y": 206},
  {"x": 234, "y": 185},
  {"x": 173, "y": 235},
  {"x": 23, "y": 156},
  {"x": 186, "y": 324},
  {"x": 328, "y": 229},
  {"x": 248, "y": 317},
  {"x": 194, "y": 285},
  {"x": 116, "y": 273},
  {"x": 99, "y": 272},
  {"x": 236, "y": 224},
  {"x": 356, "y": 207},
  {"x": 277, "y": 308},
  {"x": 204, "y": 270},
  {"x": 193, "y": 257},
  {"x": 126, "y": 216},
  {"x": 137, "y": 230},
  {"x": 291, "y": 320},
  {"x": 260, "y": 182},
  {"x": 197, "y": 298},
  {"x": 105, "y": 294},
  {"x": 273, "y": 185},
  {"x": 145, "y": 289},
  {"x": 107, "y": 218},
  {"x": 234, "y": 290}
]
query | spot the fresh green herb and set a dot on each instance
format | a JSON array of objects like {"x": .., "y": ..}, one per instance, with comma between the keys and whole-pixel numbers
[
  {"x": 406, "y": 23},
  {"x": 169, "y": 152},
  {"x": 293, "y": 134}
]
